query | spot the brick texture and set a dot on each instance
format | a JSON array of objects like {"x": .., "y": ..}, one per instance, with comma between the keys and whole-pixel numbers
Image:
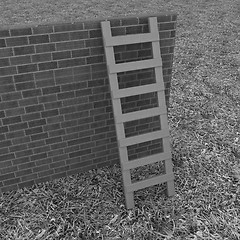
[{"x": 56, "y": 115}]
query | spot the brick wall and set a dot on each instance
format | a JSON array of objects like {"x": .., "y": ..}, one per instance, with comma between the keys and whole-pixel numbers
[{"x": 56, "y": 115}]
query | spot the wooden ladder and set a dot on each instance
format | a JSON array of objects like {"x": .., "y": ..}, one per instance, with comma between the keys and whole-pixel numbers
[{"x": 120, "y": 118}]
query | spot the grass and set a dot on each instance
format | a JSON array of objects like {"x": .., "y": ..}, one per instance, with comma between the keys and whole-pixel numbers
[{"x": 204, "y": 118}]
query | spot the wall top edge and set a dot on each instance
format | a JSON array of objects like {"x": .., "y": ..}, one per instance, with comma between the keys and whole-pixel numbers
[{"x": 84, "y": 20}]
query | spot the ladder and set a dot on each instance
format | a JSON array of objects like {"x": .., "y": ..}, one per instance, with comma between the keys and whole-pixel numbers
[{"x": 113, "y": 69}]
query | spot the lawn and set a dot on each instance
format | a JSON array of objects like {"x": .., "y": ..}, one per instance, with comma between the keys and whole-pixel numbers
[{"x": 204, "y": 118}]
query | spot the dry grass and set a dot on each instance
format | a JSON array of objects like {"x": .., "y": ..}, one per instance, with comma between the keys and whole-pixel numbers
[{"x": 205, "y": 128}]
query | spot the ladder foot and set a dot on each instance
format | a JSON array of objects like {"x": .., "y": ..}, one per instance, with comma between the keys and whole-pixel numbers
[
  {"x": 129, "y": 199},
  {"x": 170, "y": 188}
]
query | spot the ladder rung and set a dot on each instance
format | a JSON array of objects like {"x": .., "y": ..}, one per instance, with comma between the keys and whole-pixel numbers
[
  {"x": 144, "y": 137},
  {"x": 126, "y": 92},
  {"x": 131, "y": 39},
  {"x": 146, "y": 160},
  {"x": 149, "y": 182},
  {"x": 129, "y": 66},
  {"x": 151, "y": 112}
]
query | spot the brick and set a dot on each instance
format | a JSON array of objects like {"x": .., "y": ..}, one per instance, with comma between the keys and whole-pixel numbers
[
  {"x": 14, "y": 112},
  {"x": 2, "y": 114},
  {"x": 27, "y": 68},
  {"x": 39, "y": 136},
  {"x": 20, "y": 60},
  {"x": 66, "y": 95},
  {"x": 70, "y": 45},
  {"x": 55, "y": 153},
  {"x": 61, "y": 55},
  {"x": 56, "y": 133},
  {"x": 6, "y": 157},
  {"x": 16, "y": 41},
  {"x": 58, "y": 37},
  {"x": 41, "y": 29},
  {"x": 41, "y": 149},
  {"x": 4, "y": 33},
  {"x": 38, "y": 156},
  {"x": 53, "y": 105},
  {"x": 58, "y": 146},
  {"x": 6, "y": 176},
  {"x": 51, "y": 127},
  {"x": 68, "y": 27},
  {"x": 7, "y": 88},
  {"x": 31, "y": 116},
  {"x": 92, "y": 25},
  {"x": 44, "y": 75},
  {"x": 116, "y": 31},
  {"x": 167, "y": 42},
  {"x": 63, "y": 72},
  {"x": 42, "y": 48},
  {"x": 61, "y": 169},
  {"x": 45, "y": 83},
  {"x": 80, "y": 70},
  {"x": 19, "y": 147},
  {"x": 24, "y": 77},
  {"x": 15, "y": 134},
  {"x": 28, "y": 101},
  {"x": 31, "y": 93},
  {"x": 47, "y": 66},
  {"x": 39, "y": 39},
  {"x": 134, "y": 30},
  {"x": 36, "y": 123},
  {"x": 11, "y": 120},
  {"x": 53, "y": 140},
  {"x": 36, "y": 144},
  {"x": 79, "y": 35},
  {"x": 29, "y": 177},
  {"x": 35, "y": 130},
  {"x": 11, "y": 181},
  {"x": 94, "y": 42},
  {"x": 24, "y": 50},
  {"x": 80, "y": 153},
  {"x": 95, "y": 59},
  {"x": 173, "y": 34},
  {"x": 26, "y": 184},
  {"x": 43, "y": 57},
  {"x": 167, "y": 26},
  {"x": 23, "y": 172},
  {"x": 8, "y": 71},
  {"x": 34, "y": 108},
  {"x": 71, "y": 62},
  {"x": 2, "y": 137},
  {"x": 48, "y": 98},
  {"x": 78, "y": 141},
  {"x": 25, "y": 86},
  {"x": 6, "y": 80},
  {"x": 174, "y": 17},
  {"x": 41, "y": 168},
  {"x": 84, "y": 92},
  {"x": 129, "y": 21},
  {"x": 6, "y": 52},
  {"x": 80, "y": 52},
  {"x": 21, "y": 31},
  {"x": 18, "y": 126},
  {"x": 26, "y": 165},
  {"x": 50, "y": 90},
  {"x": 55, "y": 119},
  {"x": 4, "y": 62},
  {"x": 5, "y": 164},
  {"x": 50, "y": 113}
]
